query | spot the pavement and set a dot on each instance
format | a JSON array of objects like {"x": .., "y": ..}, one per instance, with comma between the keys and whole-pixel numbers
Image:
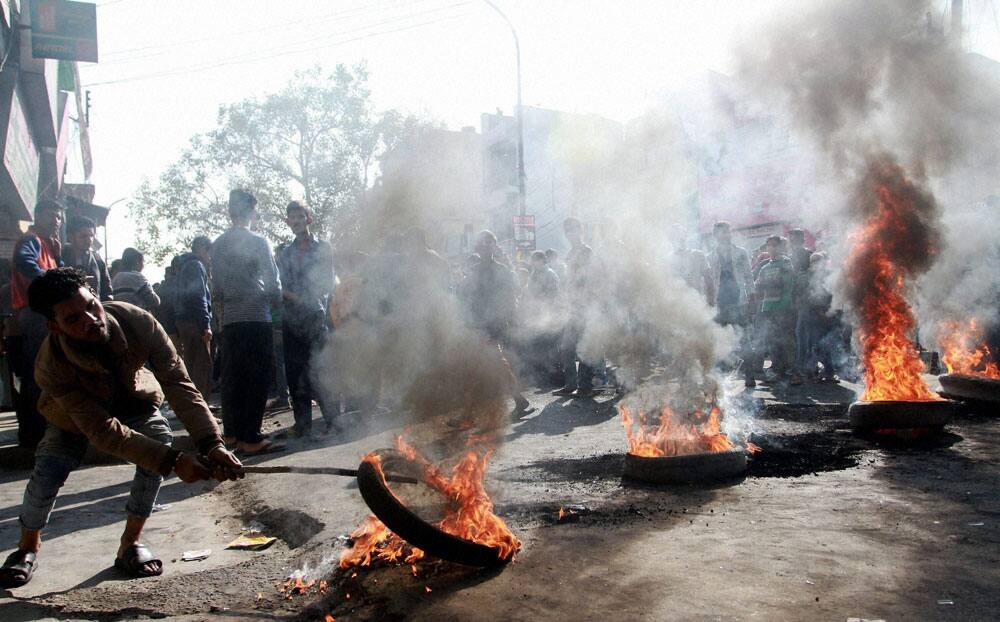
[{"x": 825, "y": 525}]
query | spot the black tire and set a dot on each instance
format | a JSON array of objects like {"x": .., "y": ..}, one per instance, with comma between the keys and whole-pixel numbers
[
  {"x": 410, "y": 527},
  {"x": 973, "y": 388},
  {"x": 686, "y": 469},
  {"x": 900, "y": 415}
]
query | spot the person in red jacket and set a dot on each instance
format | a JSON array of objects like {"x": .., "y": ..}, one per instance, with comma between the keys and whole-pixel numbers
[{"x": 35, "y": 252}]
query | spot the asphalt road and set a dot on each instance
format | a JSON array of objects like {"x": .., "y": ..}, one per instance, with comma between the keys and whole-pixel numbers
[{"x": 824, "y": 526}]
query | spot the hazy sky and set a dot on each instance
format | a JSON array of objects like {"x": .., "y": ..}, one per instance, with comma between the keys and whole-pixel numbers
[{"x": 167, "y": 66}]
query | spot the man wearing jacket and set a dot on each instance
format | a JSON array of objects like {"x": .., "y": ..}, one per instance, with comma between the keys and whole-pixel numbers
[
  {"x": 79, "y": 253},
  {"x": 306, "y": 268},
  {"x": 193, "y": 313},
  {"x": 96, "y": 389},
  {"x": 35, "y": 252},
  {"x": 729, "y": 269}
]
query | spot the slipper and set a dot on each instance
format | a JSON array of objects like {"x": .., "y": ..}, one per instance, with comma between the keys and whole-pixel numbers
[
  {"x": 517, "y": 413},
  {"x": 18, "y": 569},
  {"x": 268, "y": 448},
  {"x": 135, "y": 560}
]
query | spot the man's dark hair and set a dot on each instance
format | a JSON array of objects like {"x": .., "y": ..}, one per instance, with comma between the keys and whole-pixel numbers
[
  {"x": 53, "y": 287},
  {"x": 722, "y": 225},
  {"x": 298, "y": 206},
  {"x": 79, "y": 223},
  {"x": 199, "y": 243},
  {"x": 774, "y": 239},
  {"x": 241, "y": 203},
  {"x": 131, "y": 258},
  {"x": 796, "y": 234},
  {"x": 48, "y": 205},
  {"x": 572, "y": 224},
  {"x": 550, "y": 253},
  {"x": 539, "y": 255}
]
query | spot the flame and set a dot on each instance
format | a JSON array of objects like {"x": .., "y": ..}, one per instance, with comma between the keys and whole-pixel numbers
[
  {"x": 752, "y": 448},
  {"x": 296, "y": 585},
  {"x": 328, "y": 618},
  {"x": 468, "y": 513},
  {"x": 892, "y": 364},
  {"x": 562, "y": 513},
  {"x": 674, "y": 437},
  {"x": 960, "y": 353}
]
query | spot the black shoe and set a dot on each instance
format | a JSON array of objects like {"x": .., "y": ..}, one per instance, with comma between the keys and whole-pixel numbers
[
  {"x": 564, "y": 391},
  {"x": 750, "y": 383},
  {"x": 583, "y": 393}
]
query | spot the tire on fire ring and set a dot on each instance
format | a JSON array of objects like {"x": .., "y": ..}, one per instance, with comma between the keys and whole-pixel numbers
[
  {"x": 410, "y": 527},
  {"x": 688, "y": 468},
  {"x": 900, "y": 415},
  {"x": 962, "y": 386}
]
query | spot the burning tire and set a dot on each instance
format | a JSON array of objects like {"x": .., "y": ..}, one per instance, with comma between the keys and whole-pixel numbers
[
  {"x": 897, "y": 415},
  {"x": 410, "y": 527},
  {"x": 976, "y": 388},
  {"x": 686, "y": 468}
]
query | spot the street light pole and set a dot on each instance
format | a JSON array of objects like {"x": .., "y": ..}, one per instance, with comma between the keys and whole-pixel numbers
[
  {"x": 519, "y": 121},
  {"x": 107, "y": 257}
]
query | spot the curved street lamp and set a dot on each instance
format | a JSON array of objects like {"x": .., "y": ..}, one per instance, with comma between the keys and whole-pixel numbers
[
  {"x": 110, "y": 205},
  {"x": 518, "y": 116}
]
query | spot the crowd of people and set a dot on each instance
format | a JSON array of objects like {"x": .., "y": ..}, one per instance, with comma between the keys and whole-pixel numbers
[
  {"x": 97, "y": 349},
  {"x": 250, "y": 321}
]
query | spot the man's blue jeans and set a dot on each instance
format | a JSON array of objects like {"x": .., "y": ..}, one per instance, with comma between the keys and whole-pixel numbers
[{"x": 60, "y": 452}]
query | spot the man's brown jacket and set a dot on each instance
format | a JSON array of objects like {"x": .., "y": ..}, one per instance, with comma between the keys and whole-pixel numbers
[{"x": 78, "y": 390}]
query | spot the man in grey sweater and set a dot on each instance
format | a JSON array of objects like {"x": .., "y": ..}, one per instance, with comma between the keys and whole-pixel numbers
[{"x": 245, "y": 285}]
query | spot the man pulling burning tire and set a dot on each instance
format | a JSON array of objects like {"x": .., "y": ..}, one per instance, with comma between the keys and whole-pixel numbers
[{"x": 96, "y": 389}]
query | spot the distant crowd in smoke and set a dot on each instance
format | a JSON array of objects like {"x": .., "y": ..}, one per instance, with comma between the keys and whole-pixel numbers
[{"x": 877, "y": 88}]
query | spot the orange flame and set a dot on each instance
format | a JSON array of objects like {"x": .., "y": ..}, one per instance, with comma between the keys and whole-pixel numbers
[
  {"x": 468, "y": 513},
  {"x": 674, "y": 437},
  {"x": 295, "y": 585},
  {"x": 892, "y": 364},
  {"x": 961, "y": 355}
]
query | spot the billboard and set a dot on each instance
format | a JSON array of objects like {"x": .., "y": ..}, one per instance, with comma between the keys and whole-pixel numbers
[{"x": 64, "y": 30}]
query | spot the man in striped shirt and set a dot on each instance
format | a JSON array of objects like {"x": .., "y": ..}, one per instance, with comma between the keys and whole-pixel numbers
[{"x": 245, "y": 285}]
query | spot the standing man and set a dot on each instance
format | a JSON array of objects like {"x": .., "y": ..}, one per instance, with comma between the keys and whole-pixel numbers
[
  {"x": 306, "y": 268},
  {"x": 800, "y": 256},
  {"x": 96, "y": 389},
  {"x": 775, "y": 287},
  {"x": 541, "y": 310},
  {"x": 193, "y": 312},
  {"x": 729, "y": 269},
  {"x": 692, "y": 265},
  {"x": 79, "y": 253},
  {"x": 578, "y": 383},
  {"x": 35, "y": 252},
  {"x": 245, "y": 285},
  {"x": 491, "y": 303},
  {"x": 131, "y": 286}
]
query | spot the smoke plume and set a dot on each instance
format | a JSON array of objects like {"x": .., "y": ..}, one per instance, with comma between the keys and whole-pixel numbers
[{"x": 894, "y": 106}]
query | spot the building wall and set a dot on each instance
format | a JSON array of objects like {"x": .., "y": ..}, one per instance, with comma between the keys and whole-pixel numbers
[
  {"x": 433, "y": 180},
  {"x": 566, "y": 160},
  {"x": 40, "y": 119}
]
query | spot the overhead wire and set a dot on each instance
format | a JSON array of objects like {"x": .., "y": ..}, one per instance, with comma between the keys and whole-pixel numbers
[
  {"x": 314, "y": 19},
  {"x": 360, "y": 28},
  {"x": 241, "y": 60}
]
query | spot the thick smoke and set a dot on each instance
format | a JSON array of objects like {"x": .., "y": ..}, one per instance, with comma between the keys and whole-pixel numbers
[{"x": 891, "y": 103}]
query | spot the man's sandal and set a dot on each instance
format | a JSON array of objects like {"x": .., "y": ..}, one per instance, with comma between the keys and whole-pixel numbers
[
  {"x": 18, "y": 568},
  {"x": 137, "y": 556}
]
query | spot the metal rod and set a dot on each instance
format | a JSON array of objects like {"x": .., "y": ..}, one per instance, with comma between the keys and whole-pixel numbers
[{"x": 400, "y": 479}]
